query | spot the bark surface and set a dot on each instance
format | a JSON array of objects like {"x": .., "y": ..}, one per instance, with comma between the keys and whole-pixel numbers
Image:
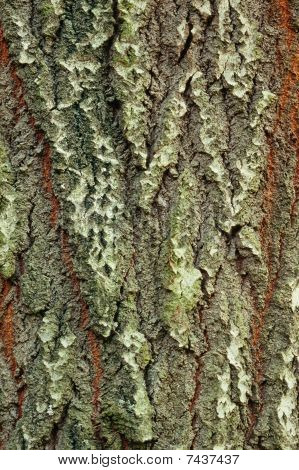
[{"x": 149, "y": 171}]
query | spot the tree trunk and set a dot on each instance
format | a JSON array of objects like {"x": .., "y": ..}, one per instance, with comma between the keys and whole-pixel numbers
[{"x": 148, "y": 224}]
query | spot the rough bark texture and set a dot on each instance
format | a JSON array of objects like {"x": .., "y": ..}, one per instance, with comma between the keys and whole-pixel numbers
[{"x": 148, "y": 224}]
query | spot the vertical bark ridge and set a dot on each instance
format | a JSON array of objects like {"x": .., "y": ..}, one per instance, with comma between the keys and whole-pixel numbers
[
  {"x": 84, "y": 323},
  {"x": 149, "y": 154},
  {"x": 7, "y": 323},
  {"x": 274, "y": 249},
  {"x": 47, "y": 183}
]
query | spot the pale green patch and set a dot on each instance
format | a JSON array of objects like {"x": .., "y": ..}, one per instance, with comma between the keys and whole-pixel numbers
[
  {"x": 181, "y": 279},
  {"x": 85, "y": 223},
  {"x": 263, "y": 103},
  {"x": 224, "y": 310},
  {"x": 294, "y": 284},
  {"x": 224, "y": 20},
  {"x": 287, "y": 407},
  {"x": 26, "y": 55},
  {"x": 59, "y": 373},
  {"x": 235, "y": 357},
  {"x": 224, "y": 404},
  {"x": 58, "y": 366},
  {"x": 49, "y": 329},
  {"x": 80, "y": 69},
  {"x": 58, "y": 135},
  {"x": 102, "y": 28},
  {"x": 130, "y": 64},
  {"x": 213, "y": 140},
  {"x": 57, "y": 6},
  {"x": 234, "y": 314},
  {"x": 8, "y": 215},
  {"x": 203, "y": 6},
  {"x": 183, "y": 30},
  {"x": 167, "y": 149},
  {"x": 41, "y": 407},
  {"x": 106, "y": 186},
  {"x": 211, "y": 258},
  {"x": 94, "y": 192},
  {"x": 77, "y": 197},
  {"x": 44, "y": 81},
  {"x": 249, "y": 239},
  {"x": 250, "y": 168},
  {"x": 236, "y": 63},
  {"x": 67, "y": 340},
  {"x": 144, "y": 412},
  {"x": 136, "y": 348}
]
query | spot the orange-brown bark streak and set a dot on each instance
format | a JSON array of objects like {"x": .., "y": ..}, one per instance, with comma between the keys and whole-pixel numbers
[
  {"x": 7, "y": 328},
  {"x": 84, "y": 323},
  {"x": 47, "y": 184},
  {"x": 291, "y": 82},
  {"x": 8, "y": 318},
  {"x": 295, "y": 130},
  {"x": 8, "y": 338},
  {"x": 4, "y": 53},
  {"x": 284, "y": 117}
]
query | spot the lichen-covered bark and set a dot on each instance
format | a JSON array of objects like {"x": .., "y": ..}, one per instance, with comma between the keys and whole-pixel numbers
[{"x": 148, "y": 224}]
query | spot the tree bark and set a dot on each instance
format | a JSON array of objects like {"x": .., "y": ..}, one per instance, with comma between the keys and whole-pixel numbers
[{"x": 149, "y": 224}]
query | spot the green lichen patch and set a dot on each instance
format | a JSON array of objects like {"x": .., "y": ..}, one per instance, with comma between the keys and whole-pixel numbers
[
  {"x": 8, "y": 215},
  {"x": 181, "y": 279}
]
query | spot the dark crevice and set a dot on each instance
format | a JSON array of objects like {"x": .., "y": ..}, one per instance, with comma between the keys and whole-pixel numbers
[
  {"x": 187, "y": 44},
  {"x": 57, "y": 427}
]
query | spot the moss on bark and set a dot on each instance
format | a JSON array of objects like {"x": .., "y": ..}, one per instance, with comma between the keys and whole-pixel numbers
[{"x": 148, "y": 224}]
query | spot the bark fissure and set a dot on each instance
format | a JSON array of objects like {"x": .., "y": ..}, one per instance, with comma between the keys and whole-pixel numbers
[{"x": 148, "y": 224}]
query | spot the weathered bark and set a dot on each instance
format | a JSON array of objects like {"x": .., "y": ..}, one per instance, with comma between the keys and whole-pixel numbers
[{"x": 148, "y": 221}]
